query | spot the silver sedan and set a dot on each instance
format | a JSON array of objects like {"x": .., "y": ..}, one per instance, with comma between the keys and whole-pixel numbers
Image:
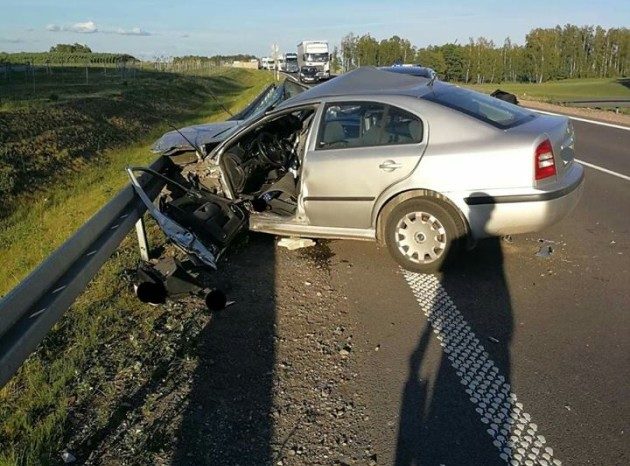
[{"x": 422, "y": 166}]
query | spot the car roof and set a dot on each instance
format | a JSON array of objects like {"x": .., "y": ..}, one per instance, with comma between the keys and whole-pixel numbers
[{"x": 366, "y": 81}]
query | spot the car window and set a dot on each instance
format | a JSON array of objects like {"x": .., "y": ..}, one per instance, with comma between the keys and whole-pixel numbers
[
  {"x": 496, "y": 112},
  {"x": 401, "y": 127},
  {"x": 364, "y": 124}
]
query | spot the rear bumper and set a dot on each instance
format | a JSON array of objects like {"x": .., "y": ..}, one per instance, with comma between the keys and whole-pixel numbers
[{"x": 524, "y": 213}]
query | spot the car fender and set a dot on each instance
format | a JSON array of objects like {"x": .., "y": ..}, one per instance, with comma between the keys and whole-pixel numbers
[{"x": 404, "y": 191}]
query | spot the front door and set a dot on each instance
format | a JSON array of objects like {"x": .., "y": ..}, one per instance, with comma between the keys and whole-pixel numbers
[{"x": 361, "y": 148}]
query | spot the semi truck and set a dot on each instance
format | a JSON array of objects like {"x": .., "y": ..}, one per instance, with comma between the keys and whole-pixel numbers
[
  {"x": 267, "y": 63},
  {"x": 290, "y": 63},
  {"x": 313, "y": 57}
]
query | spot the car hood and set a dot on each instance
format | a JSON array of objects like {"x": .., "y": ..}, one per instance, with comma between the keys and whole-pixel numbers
[{"x": 200, "y": 135}]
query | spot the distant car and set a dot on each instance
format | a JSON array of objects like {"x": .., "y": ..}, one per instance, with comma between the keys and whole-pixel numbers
[
  {"x": 417, "y": 164},
  {"x": 308, "y": 74}
]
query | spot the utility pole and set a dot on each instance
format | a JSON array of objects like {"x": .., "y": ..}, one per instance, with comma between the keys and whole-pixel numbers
[{"x": 274, "y": 56}]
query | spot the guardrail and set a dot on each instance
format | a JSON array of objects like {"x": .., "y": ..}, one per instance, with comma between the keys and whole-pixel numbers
[{"x": 29, "y": 311}]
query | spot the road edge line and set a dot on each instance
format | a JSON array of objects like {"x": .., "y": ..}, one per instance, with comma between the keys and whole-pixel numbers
[
  {"x": 585, "y": 120},
  {"x": 604, "y": 170}
]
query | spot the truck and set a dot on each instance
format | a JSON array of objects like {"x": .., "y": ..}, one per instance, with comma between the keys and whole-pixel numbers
[
  {"x": 314, "y": 56},
  {"x": 267, "y": 63},
  {"x": 290, "y": 63}
]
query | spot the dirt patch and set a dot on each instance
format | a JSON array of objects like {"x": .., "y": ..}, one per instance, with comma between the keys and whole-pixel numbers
[
  {"x": 269, "y": 380},
  {"x": 590, "y": 113}
]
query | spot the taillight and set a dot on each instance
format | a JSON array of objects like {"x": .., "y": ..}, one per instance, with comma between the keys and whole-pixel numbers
[{"x": 544, "y": 164}]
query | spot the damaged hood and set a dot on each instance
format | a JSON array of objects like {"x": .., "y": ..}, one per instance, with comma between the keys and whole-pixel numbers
[
  {"x": 200, "y": 135},
  {"x": 213, "y": 133}
]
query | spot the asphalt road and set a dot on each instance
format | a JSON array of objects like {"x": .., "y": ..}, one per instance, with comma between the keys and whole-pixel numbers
[
  {"x": 556, "y": 328},
  {"x": 553, "y": 331},
  {"x": 507, "y": 356}
]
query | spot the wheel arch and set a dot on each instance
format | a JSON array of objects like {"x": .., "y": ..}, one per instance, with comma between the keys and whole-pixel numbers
[{"x": 390, "y": 204}]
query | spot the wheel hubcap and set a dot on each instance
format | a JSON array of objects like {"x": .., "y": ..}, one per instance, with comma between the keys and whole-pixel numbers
[{"x": 420, "y": 237}]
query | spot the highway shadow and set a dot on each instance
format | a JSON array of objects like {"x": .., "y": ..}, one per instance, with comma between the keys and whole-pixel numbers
[
  {"x": 227, "y": 419},
  {"x": 624, "y": 82},
  {"x": 439, "y": 422}
]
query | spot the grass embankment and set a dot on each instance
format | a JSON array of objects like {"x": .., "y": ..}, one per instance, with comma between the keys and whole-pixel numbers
[
  {"x": 563, "y": 91},
  {"x": 100, "y": 345}
]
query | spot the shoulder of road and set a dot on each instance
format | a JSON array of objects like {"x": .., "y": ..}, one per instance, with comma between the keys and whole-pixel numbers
[{"x": 590, "y": 114}]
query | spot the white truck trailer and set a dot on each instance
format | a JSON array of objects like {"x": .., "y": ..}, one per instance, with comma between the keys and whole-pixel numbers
[{"x": 314, "y": 54}]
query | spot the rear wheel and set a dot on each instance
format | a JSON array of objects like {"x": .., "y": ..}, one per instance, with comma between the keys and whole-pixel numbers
[{"x": 422, "y": 235}]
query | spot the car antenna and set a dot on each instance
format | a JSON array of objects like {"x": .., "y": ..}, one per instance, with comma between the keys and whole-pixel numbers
[
  {"x": 225, "y": 109},
  {"x": 198, "y": 150}
]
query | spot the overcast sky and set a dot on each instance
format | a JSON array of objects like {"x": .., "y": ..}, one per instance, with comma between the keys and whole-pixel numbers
[{"x": 206, "y": 27}]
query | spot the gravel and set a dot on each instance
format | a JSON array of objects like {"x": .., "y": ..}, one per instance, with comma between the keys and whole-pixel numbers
[{"x": 270, "y": 380}]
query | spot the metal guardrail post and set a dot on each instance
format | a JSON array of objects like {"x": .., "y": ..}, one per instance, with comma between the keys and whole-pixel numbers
[{"x": 143, "y": 242}]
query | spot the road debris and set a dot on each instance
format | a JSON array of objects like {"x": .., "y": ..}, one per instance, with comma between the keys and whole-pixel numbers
[
  {"x": 68, "y": 457},
  {"x": 546, "y": 249},
  {"x": 293, "y": 244}
]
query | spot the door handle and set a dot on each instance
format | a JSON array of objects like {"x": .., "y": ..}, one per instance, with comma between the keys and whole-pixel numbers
[{"x": 389, "y": 166}]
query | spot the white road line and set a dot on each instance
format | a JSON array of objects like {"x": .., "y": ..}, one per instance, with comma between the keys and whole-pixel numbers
[
  {"x": 602, "y": 169},
  {"x": 512, "y": 429},
  {"x": 585, "y": 120}
]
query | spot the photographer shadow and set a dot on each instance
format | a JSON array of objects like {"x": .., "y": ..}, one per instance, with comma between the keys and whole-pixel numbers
[{"x": 441, "y": 412}]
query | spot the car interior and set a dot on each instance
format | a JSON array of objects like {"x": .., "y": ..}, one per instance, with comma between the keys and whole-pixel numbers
[{"x": 264, "y": 165}]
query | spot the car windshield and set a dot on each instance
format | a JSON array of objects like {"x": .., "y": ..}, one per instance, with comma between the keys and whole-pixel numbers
[
  {"x": 270, "y": 100},
  {"x": 494, "y": 111},
  {"x": 316, "y": 57}
]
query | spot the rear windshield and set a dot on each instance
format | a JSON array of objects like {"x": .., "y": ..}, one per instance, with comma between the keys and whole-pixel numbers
[{"x": 489, "y": 109}]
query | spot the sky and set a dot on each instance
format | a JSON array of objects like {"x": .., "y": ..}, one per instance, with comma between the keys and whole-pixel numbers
[{"x": 149, "y": 29}]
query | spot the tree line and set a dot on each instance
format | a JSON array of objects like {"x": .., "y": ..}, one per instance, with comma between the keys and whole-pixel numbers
[
  {"x": 548, "y": 53},
  {"x": 216, "y": 60},
  {"x": 65, "y": 54}
]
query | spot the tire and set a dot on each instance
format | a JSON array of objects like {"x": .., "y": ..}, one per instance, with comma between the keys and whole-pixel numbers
[{"x": 435, "y": 234}]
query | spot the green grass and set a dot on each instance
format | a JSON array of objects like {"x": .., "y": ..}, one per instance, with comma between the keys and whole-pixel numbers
[
  {"x": 34, "y": 405},
  {"x": 562, "y": 91}
]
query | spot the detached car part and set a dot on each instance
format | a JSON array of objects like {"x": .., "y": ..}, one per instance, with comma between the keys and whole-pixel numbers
[
  {"x": 199, "y": 222},
  {"x": 173, "y": 279}
]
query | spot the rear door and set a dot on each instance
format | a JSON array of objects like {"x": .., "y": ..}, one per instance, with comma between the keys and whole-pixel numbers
[{"x": 360, "y": 149}]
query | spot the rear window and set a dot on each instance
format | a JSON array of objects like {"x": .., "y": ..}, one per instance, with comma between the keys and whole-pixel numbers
[{"x": 496, "y": 112}]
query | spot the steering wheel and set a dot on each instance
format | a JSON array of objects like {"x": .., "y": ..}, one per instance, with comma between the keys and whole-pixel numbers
[{"x": 272, "y": 150}]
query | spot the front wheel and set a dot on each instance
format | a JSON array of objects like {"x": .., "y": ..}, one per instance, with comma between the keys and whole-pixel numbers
[{"x": 422, "y": 235}]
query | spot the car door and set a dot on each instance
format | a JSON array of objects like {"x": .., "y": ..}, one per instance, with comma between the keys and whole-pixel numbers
[{"x": 360, "y": 149}]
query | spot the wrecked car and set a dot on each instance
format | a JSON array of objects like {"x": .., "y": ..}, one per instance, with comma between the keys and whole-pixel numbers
[{"x": 422, "y": 166}]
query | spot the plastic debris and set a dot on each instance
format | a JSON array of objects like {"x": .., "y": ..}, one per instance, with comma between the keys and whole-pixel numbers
[
  {"x": 545, "y": 250},
  {"x": 296, "y": 243},
  {"x": 68, "y": 457}
]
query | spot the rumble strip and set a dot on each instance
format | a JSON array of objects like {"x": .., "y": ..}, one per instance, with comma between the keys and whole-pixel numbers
[{"x": 513, "y": 431}]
